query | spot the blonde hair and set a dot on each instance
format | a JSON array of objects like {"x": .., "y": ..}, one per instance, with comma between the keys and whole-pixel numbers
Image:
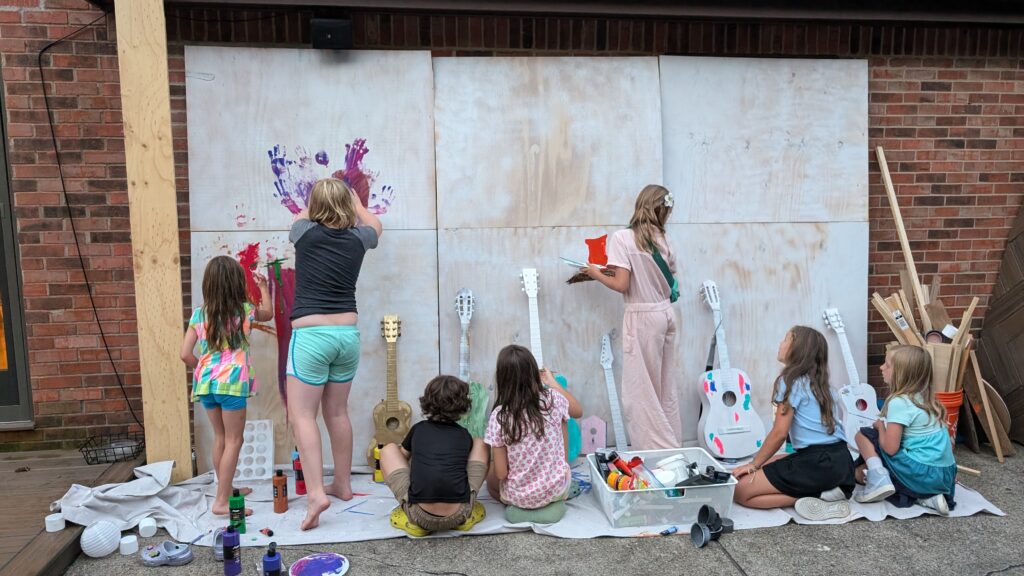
[
  {"x": 912, "y": 379},
  {"x": 332, "y": 204},
  {"x": 649, "y": 216}
]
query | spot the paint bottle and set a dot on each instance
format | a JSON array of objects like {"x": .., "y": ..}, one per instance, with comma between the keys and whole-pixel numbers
[
  {"x": 619, "y": 463},
  {"x": 272, "y": 561},
  {"x": 378, "y": 476},
  {"x": 236, "y": 511},
  {"x": 232, "y": 552},
  {"x": 280, "y": 482},
  {"x": 300, "y": 480}
]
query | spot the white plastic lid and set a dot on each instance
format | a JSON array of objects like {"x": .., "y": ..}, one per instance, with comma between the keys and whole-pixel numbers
[
  {"x": 55, "y": 522},
  {"x": 129, "y": 545}
]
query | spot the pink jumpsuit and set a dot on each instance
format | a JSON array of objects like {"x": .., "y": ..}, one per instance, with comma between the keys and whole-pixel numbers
[{"x": 650, "y": 399}]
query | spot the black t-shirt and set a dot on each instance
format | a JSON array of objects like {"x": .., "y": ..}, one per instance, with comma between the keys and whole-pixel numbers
[
  {"x": 327, "y": 264},
  {"x": 438, "y": 454}
]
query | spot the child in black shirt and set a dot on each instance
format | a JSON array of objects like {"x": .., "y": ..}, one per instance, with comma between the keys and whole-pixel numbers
[{"x": 437, "y": 471}]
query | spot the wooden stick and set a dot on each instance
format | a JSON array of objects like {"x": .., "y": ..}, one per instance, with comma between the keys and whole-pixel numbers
[
  {"x": 883, "y": 309},
  {"x": 908, "y": 311},
  {"x": 965, "y": 356},
  {"x": 965, "y": 323},
  {"x": 907, "y": 285},
  {"x": 933, "y": 291},
  {"x": 900, "y": 316},
  {"x": 993, "y": 435},
  {"x": 908, "y": 257},
  {"x": 967, "y": 470}
]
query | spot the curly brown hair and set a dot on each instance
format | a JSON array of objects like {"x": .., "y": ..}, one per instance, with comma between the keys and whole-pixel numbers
[{"x": 445, "y": 399}]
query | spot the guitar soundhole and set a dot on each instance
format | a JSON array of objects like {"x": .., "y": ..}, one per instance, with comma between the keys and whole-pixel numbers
[
  {"x": 862, "y": 404},
  {"x": 729, "y": 398},
  {"x": 392, "y": 423}
]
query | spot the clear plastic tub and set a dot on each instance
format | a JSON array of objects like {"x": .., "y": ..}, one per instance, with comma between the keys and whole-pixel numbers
[{"x": 661, "y": 506}]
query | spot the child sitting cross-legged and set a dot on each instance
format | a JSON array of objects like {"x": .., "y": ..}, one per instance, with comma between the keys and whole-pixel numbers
[{"x": 437, "y": 471}]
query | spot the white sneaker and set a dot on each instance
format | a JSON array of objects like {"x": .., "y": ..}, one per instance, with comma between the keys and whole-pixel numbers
[
  {"x": 937, "y": 503},
  {"x": 877, "y": 486},
  {"x": 834, "y": 495},
  {"x": 816, "y": 509}
]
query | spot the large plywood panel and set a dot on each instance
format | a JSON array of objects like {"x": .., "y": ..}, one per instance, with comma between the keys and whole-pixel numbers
[
  {"x": 399, "y": 277},
  {"x": 264, "y": 124},
  {"x": 765, "y": 140},
  {"x": 544, "y": 141},
  {"x": 771, "y": 276}
]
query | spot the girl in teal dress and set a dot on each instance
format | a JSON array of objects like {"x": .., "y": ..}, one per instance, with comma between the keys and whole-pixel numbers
[{"x": 907, "y": 456}]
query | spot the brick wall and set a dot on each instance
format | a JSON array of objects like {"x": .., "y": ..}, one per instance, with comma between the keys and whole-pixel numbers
[{"x": 946, "y": 102}]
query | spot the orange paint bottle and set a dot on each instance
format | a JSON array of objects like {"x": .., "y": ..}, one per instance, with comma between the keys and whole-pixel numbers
[{"x": 280, "y": 493}]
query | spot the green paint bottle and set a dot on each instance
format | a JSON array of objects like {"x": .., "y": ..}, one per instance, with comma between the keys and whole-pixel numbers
[{"x": 236, "y": 510}]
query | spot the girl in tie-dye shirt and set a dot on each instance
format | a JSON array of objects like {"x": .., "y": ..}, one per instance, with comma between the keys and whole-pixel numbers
[{"x": 222, "y": 377}]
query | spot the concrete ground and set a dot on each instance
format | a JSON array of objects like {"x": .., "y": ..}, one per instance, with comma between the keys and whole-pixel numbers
[{"x": 929, "y": 545}]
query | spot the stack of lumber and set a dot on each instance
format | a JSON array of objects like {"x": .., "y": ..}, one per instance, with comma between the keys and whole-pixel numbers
[{"x": 919, "y": 318}]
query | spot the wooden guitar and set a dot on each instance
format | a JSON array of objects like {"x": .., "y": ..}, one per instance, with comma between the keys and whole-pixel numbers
[
  {"x": 391, "y": 417},
  {"x": 860, "y": 405},
  {"x": 729, "y": 426},
  {"x": 475, "y": 420},
  {"x": 529, "y": 281},
  {"x": 613, "y": 394}
]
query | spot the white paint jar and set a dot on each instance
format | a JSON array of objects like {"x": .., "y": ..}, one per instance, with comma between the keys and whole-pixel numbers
[
  {"x": 55, "y": 522},
  {"x": 147, "y": 528}
]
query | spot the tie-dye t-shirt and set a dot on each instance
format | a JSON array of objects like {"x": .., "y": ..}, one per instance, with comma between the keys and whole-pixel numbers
[
  {"x": 538, "y": 472},
  {"x": 226, "y": 371}
]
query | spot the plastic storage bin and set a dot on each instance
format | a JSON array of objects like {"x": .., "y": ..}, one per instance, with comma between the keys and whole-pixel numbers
[{"x": 659, "y": 506}]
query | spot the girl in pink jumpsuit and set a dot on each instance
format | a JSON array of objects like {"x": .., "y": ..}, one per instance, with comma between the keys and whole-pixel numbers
[{"x": 649, "y": 396}]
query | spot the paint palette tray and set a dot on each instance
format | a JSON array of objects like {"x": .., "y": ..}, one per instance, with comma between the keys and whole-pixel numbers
[
  {"x": 662, "y": 506},
  {"x": 256, "y": 460}
]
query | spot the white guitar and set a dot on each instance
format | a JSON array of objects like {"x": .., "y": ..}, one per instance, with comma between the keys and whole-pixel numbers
[
  {"x": 464, "y": 303},
  {"x": 529, "y": 279},
  {"x": 860, "y": 405},
  {"x": 613, "y": 394},
  {"x": 475, "y": 419},
  {"x": 729, "y": 426}
]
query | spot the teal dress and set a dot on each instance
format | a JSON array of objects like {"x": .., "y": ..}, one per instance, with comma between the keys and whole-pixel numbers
[{"x": 924, "y": 462}]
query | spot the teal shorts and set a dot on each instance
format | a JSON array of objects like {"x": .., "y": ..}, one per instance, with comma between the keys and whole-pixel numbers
[
  {"x": 222, "y": 401},
  {"x": 321, "y": 354}
]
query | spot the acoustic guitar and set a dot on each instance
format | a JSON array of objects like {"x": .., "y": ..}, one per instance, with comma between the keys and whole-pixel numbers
[
  {"x": 860, "y": 405},
  {"x": 529, "y": 279},
  {"x": 729, "y": 426},
  {"x": 391, "y": 417},
  {"x": 475, "y": 420}
]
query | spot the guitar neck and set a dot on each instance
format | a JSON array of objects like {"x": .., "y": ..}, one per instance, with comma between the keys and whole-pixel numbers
[
  {"x": 851, "y": 366},
  {"x": 723, "y": 350},
  {"x": 613, "y": 404},
  {"x": 535, "y": 345},
  {"x": 464, "y": 352},
  {"x": 392, "y": 376}
]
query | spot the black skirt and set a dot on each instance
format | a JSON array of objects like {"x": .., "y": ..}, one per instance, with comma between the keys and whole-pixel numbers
[{"x": 813, "y": 470}]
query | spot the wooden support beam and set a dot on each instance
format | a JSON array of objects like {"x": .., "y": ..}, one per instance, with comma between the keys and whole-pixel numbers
[
  {"x": 908, "y": 257},
  {"x": 146, "y": 109}
]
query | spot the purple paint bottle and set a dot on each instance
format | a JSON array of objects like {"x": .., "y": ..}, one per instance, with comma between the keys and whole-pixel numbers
[{"x": 232, "y": 552}]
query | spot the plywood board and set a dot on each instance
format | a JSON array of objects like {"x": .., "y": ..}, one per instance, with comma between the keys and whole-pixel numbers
[
  {"x": 771, "y": 277},
  {"x": 399, "y": 277},
  {"x": 544, "y": 141},
  {"x": 363, "y": 115},
  {"x": 765, "y": 140}
]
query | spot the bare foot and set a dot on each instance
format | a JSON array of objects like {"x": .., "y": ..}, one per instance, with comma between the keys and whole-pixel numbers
[
  {"x": 333, "y": 489},
  {"x": 219, "y": 509},
  {"x": 313, "y": 511}
]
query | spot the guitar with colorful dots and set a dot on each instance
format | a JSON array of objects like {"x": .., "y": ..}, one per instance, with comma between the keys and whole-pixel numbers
[{"x": 729, "y": 427}]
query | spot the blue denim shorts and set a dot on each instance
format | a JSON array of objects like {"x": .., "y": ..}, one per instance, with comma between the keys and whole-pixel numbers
[{"x": 222, "y": 401}]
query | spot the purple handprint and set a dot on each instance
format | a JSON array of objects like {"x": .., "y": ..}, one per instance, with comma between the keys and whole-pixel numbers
[{"x": 381, "y": 202}]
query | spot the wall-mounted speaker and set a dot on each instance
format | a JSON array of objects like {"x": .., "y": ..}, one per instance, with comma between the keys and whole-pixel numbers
[{"x": 331, "y": 34}]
